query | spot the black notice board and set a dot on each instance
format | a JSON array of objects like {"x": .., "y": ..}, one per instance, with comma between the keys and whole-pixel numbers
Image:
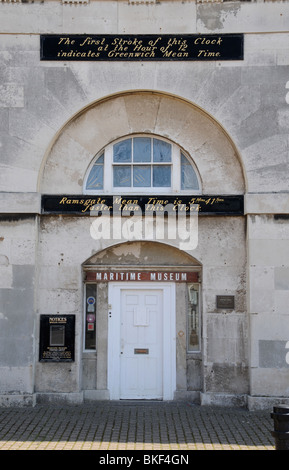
[
  {"x": 57, "y": 338},
  {"x": 83, "y": 205},
  {"x": 146, "y": 47}
]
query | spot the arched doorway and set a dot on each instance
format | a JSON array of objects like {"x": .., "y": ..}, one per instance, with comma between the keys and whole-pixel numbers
[
  {"x": 66, "y": 176},
  {"x": 143, "y": 311}
]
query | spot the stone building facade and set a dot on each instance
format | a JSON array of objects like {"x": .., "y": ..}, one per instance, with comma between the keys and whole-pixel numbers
[{"x": 144, "y": 201}]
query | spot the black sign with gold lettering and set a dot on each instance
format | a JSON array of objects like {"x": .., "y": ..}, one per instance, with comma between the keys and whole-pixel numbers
[
  {"x": 57, "y": 334},
  {"x": 124, "y": 205},
  {"x": 141, "y": 47}
]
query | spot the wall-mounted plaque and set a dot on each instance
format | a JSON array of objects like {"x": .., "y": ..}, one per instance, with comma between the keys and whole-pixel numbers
[
  {"x": 141, "y": 47},
  {"x": 143, "y": 204},
  {"x": 57, "y": 333},
  {"x": 226, "y": 301}
]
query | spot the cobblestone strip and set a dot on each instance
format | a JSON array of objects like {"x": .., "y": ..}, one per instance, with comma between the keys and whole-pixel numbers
[{"x": 134, "y": 426}]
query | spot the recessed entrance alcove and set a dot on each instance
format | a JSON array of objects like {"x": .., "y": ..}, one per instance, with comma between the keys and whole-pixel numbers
[{"x": 141, "y": 326}]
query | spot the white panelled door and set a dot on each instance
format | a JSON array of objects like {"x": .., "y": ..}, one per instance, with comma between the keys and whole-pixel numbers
[
  {"x": 141, "y": 344},
  {"x": 141, "y": 341}
]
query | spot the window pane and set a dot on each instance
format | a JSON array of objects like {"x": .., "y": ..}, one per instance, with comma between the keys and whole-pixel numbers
[
  {"x": 193, "y": 318},
  {"x": 122, "y": 151},
  {"x": 57, "y": 335},
  {"x": 162, "y": 151},
  {"x": 142, "y": 176},
  {"x": 95, "y": 178},
  {"x": 100, "y": 159},
  {"x": 142, "y": 149},
  {"x": 122, "y": 176},
  {"x": 189, "y": 178},
  {"x": 161, "y": 176}
]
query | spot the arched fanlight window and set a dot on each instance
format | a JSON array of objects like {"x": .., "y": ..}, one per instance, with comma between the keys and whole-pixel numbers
[{"x": 142, "y": 164}]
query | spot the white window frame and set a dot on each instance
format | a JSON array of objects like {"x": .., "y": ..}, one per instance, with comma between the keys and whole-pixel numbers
[{"x": 108, "y": 187}]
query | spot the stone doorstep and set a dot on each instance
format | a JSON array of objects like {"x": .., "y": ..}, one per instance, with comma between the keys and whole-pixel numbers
[{"x": 252, "y": 403}]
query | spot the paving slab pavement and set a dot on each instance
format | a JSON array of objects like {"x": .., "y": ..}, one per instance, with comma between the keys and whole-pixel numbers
[{"x": 131, "y": 426}]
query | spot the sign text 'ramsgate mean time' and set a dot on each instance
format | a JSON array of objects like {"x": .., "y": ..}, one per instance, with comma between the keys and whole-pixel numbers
[{"x": 124, "y": 205}]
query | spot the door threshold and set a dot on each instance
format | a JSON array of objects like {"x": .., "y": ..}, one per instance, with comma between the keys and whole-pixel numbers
[{"x": 141, "y": 400}]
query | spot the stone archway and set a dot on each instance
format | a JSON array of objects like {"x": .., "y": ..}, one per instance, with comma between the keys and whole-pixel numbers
[
  {"x": 141, "y": 253},
  {"x": 142, "y": 256},
  {"x": 221, "y": 173},
  {"x": 184, "y": 123}
]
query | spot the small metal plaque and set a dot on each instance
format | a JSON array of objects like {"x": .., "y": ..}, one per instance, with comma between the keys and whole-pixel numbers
[
  {"x": 141, "y": 351},
  {"x": 226, "y": 301}
]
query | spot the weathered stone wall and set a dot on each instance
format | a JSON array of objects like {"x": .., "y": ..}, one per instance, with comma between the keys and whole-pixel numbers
[
  {"x": 268, "y": 300},
  {"x": 65, "y": 244},
  {"x": 232, "y": 117},
  {"x": 18, "y": 242}
]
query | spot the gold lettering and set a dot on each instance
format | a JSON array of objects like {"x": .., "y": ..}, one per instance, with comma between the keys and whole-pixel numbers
[
  {"x": 175, "y": 54},
  {"x": 206, "y": 41},
  {"x": 207, "y": 53},
  {"x": 89, "y": 41},
  {"x": 117, "y": 200},
  {"x": 153, "y": 200},
  {"x": 66, "y": 41}
]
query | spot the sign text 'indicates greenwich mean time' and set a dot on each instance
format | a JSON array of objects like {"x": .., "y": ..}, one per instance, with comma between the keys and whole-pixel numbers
[{"x": 141, "y": 47}]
